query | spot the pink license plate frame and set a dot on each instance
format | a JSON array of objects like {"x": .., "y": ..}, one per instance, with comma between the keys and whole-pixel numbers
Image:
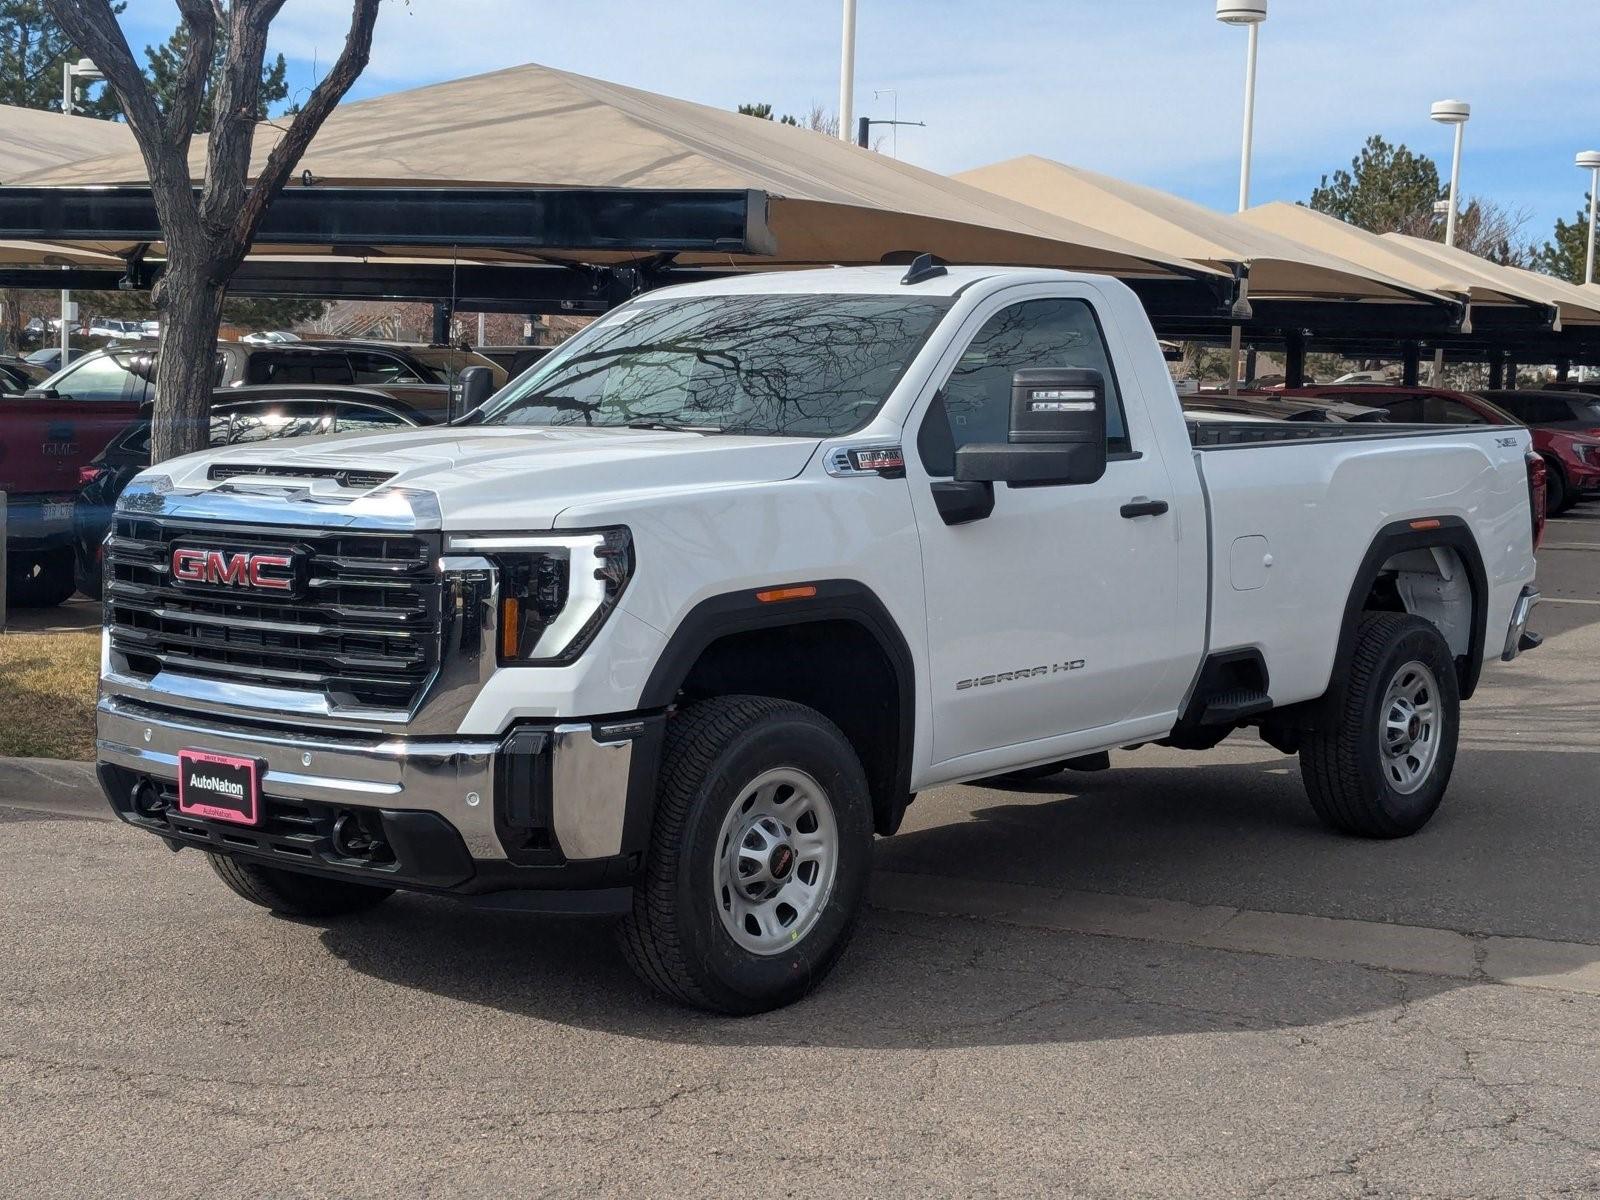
[{"x": 205, "y": 787}]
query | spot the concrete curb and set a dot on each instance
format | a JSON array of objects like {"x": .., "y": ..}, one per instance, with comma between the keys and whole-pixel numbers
[{"x": 51, "y": 785}]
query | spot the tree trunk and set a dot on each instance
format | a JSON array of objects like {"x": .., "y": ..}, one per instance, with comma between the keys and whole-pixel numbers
[{"x": 189, "y": 301}]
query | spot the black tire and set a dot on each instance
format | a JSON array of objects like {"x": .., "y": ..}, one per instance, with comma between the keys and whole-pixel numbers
[
  {"x": 293, "y": 894},
  {"x": 1021, "y": 777},
  {"x": 1344, "y": 768},
  {"x": 1558, "y": 496},
  {"x": 41, "y": 580},
  {"x": 675, "y": 938}
]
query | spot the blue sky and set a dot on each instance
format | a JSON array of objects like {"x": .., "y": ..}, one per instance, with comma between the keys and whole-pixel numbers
[{"x": 1150, "y": 90}]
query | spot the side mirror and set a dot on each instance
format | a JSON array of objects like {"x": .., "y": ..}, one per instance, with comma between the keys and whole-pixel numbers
[
  {"x": 1058, "y": 432},
  {"x": 473, "y": 387}
]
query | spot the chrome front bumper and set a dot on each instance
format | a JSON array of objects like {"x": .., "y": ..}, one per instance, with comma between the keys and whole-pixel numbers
[{"x": 455, "y": 778}]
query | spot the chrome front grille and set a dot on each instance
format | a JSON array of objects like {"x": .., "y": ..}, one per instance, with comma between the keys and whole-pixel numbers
[{"x": 360, "y": 623}]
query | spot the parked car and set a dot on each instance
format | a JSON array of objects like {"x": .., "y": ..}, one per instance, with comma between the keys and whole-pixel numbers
[
  {"x": 1543, "y": 408},
  {"x": 681, "y": 618},
  {"x": 270, "y": 337},
  {"x": 1572, "y": 458},
  {"x": 49, "y": 357},
  {"x": 238, "y": 416},
  {"x": 18, "y": 374}
]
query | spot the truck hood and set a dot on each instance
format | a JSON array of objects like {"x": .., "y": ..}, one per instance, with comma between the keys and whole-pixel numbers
[{"x": 519, "y": 478}]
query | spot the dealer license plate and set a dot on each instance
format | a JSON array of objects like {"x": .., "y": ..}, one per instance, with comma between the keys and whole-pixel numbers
[{"x": 219, "y": 787}]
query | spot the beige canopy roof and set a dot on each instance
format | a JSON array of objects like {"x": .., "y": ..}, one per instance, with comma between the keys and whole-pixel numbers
[
  {"x": 1464, "y": 279},
  {"x": 1577, "y": 306},
  {"x": 831, "y": 202},
  {"x": 1279, "y": 266},
  {"x": 32, "y": 140}
]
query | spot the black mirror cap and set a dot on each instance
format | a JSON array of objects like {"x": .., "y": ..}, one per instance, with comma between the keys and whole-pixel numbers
[
  {"x": 1058, "y": 404},
  {"x": 1031, "y": 464},
  {"x": 473, "y": 387}
]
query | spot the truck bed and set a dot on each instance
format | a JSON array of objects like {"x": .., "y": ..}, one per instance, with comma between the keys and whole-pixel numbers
[{"x": 1288, "y": 530}]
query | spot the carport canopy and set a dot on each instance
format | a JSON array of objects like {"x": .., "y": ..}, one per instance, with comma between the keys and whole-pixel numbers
[
  {"x": 1278, "y": 266},
  {"x": 32, "y": 140},
  {"x": 532, "y": 127},
  {"x": 1576, "y": 305},
  {"x": 1466, "y": 277}
]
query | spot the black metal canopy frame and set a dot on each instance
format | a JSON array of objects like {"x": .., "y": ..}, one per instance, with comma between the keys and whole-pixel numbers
[{"x": 369, "y": 226}]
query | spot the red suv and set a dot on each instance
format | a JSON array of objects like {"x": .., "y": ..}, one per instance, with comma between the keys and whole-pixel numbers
[{"x": 1571, "y": 457}]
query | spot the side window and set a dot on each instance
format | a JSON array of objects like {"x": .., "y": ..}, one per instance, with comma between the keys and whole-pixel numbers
[
  {"x": 1552, "y": 410},
  {"x": 369, "y": 367},
  {"x": 1441, "y": 410},
  {"x": 299, "y": 368},
  {"x": 354, "y": 419},
  {"x": 100, "y": 379},
  {"x": 975, "y": 403},
  {"x": 1405, "y": 411}
]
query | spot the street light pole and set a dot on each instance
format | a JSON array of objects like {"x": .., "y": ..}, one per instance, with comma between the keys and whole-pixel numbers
[
  {"x": 1249, "y": 13},
  {"x": 70, "y": 74},
  {"x": 1457, "y": 113},
  {"x": 847, "y": 71},
  {"x": 1589, "y": 161}
]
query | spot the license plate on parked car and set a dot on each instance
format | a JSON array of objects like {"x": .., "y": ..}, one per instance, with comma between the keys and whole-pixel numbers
[
  {"x": 58, "y": 510},
  {"x": 219, "y": 787}
]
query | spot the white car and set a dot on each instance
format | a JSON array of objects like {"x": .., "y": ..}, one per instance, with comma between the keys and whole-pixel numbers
[{"x": 688, "y": 612}]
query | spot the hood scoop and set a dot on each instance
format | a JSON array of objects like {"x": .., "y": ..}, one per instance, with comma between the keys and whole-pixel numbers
[{"x": 345, "y": 477}]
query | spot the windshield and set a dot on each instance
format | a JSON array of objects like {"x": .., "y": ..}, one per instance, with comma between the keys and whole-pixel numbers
[{"x": 809, "y": 365}]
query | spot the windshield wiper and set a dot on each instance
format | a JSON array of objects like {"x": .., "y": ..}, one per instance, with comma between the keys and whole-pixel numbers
[{"x": 672, "y": 428}]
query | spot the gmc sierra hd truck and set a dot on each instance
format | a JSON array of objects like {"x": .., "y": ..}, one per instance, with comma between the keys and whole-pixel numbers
[{"x": 678, "y": 620}]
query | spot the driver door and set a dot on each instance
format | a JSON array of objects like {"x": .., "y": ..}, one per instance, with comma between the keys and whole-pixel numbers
[{"x": 1055, "y": 577}]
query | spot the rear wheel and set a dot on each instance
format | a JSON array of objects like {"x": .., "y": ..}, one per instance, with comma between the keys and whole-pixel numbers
[
  {"x": 40, "y": 580},
  {"x": 1377, "y": 765},
  {"x": 759, "y": 856},
  {"x": 293, "y": 894}
]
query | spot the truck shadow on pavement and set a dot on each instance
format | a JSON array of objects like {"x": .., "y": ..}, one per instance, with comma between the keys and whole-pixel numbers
[{"x": 1233, "y": 834}]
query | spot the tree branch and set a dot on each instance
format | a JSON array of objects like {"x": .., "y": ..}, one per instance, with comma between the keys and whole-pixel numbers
[
  {"x": 93, "y": 27},
  {"x": 324, "y": 98},
  {"x": 234, "y": 110},
  {"x": 189, "y": 91}
]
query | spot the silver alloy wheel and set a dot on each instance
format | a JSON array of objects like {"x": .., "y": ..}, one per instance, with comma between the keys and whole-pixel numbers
[
  {"x": 1413, "y": 726},
  {"x": 777, "y": 855}
]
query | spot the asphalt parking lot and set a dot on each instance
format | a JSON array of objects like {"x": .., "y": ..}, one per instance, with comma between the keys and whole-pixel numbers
[{"x": 1160, "y": 980}]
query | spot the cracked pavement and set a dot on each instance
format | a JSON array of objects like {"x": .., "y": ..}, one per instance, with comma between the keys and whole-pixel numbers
[{"x": 1160, "y": 980}]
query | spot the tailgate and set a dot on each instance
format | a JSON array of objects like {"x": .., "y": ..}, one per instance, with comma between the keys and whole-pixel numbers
[{"x": 43, "y": 442}]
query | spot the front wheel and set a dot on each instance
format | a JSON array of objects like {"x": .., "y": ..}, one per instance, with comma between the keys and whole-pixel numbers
[
  {"x": 1378, "y": 763},
  {"x": 759, "y": 856}
]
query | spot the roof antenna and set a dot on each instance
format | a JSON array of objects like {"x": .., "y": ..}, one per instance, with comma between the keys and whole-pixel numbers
[{"x": 923, "y": 268}]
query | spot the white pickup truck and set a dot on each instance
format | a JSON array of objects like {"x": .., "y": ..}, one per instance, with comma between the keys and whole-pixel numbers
[{"x": 681, "y": 617}]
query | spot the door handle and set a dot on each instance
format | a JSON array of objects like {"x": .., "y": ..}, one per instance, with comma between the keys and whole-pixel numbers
[{"x": 1144, "y": 508}]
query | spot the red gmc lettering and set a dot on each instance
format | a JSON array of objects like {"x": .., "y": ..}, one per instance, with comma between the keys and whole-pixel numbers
[{"x": 237, "y": 570}]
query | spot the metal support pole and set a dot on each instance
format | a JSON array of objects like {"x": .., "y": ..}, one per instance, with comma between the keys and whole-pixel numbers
[
  {"x": 441, "y": 322},
  {"x": 1249, "y": 116},
  {"x": 1511, "y": 372},
  {"x": 481, "y": 322},
  {"x": 1594, "y": 200},
  {"x": 1294, "y": 359},
  {"x": 1410, "y": 357},
  {"x": 1497, "y": 370},
  {"x": 1563, "y": 370},
  {"x": 1455, "y": 182},
  {"x": 847, "y": 71},
  {"x": 1249, "y": 364}
]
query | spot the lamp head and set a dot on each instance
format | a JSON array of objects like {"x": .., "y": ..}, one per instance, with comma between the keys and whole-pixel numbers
[
  {"x": 1241, "y": 12},
  {"x": 1589, "y": 160},
  {"x": 1451, "y": 112}
]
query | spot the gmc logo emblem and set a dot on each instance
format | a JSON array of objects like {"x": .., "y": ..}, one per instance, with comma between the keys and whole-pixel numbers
[{"x": 244, "y": 570}]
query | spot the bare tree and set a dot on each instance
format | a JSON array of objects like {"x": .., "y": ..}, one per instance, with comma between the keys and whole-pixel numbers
[{"x": 209, "y": 229}]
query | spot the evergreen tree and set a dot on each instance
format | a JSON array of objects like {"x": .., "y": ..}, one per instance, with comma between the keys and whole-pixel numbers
[
  {"x": 1388, "y": 189},
  {"x": 1565, "y": 253}
]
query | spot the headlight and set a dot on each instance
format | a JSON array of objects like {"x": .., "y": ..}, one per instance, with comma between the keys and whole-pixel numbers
[{"x": 556, "y": 591}]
